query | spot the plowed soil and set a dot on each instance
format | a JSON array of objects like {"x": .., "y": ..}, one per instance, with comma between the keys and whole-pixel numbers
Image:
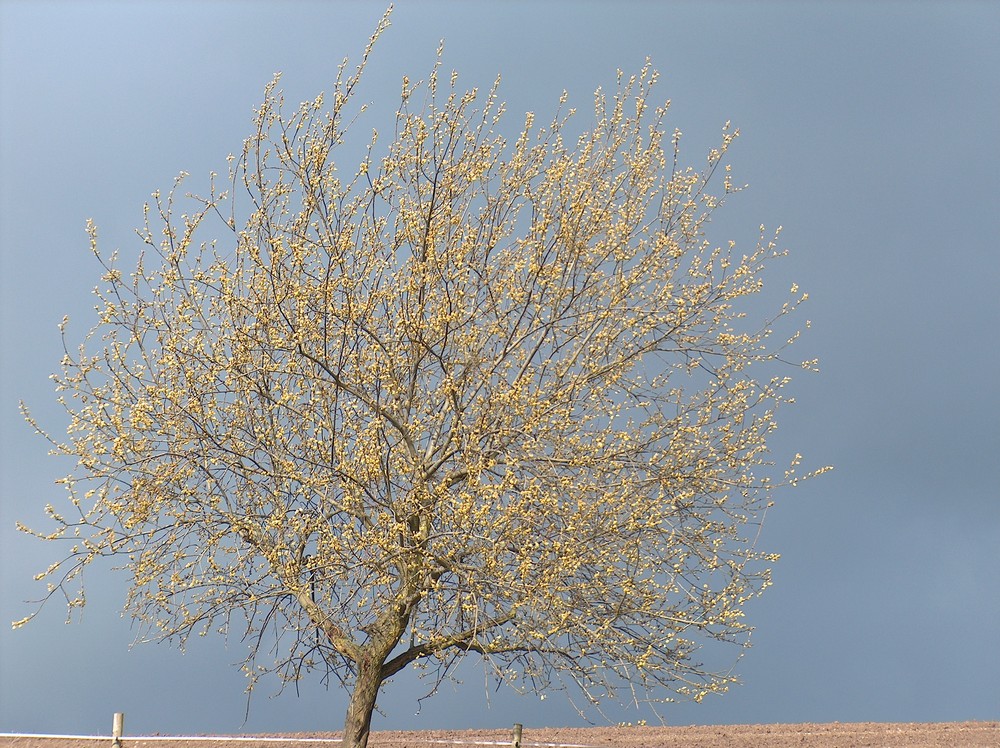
[{"x": 836, "y": 735}]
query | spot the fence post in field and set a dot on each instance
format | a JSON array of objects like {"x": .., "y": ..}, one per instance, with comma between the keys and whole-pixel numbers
[
  {"x": 117, "y": 726},
  {"x": 516, "y": 742}
]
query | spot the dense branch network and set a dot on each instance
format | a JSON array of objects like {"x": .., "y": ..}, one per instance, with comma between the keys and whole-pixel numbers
[{"x": 479, "y": 395}]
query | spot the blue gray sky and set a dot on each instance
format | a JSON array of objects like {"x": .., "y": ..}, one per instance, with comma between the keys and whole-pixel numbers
[{"x": 870, "y": 131}]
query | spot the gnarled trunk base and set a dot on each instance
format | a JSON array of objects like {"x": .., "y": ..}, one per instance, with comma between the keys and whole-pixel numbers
[{"x": 357, "y": 725}]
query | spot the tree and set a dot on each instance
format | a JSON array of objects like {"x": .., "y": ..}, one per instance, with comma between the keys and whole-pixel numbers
[{"x": 476, "y": 396}]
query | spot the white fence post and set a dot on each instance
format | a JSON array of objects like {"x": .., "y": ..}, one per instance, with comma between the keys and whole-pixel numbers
[
  {"x": 516, "y": 742},
  {"x": 117, "y": 727}
]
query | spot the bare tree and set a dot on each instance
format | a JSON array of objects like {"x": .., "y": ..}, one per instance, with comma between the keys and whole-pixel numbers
[{"x": 477, "y": 395}]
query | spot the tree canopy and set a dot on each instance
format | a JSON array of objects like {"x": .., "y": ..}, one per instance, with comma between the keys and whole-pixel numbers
[{"x": 475, "y": 394}]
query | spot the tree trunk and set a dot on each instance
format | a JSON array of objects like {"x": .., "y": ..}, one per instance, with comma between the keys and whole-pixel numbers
[{"x": 359, "y": 711}]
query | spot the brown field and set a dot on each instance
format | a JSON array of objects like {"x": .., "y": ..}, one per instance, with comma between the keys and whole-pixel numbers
[{"x": 836, "y": 735}]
